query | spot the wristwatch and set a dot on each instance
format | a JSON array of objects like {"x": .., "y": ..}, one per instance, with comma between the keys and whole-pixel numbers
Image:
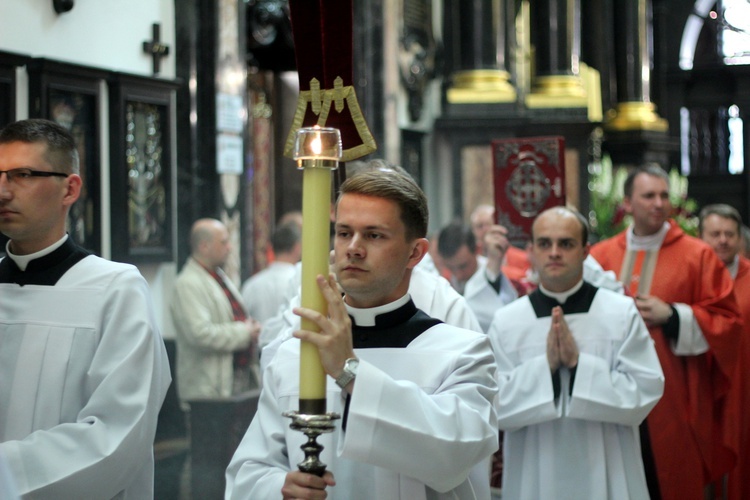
[{"x": 349, "y": 373}]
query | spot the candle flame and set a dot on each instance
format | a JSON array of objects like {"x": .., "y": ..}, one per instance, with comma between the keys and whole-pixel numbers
[{"x": 316, "y": 145}]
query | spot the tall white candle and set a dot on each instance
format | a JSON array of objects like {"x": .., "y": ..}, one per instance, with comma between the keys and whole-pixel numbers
[{"x": 317, "y": 151}]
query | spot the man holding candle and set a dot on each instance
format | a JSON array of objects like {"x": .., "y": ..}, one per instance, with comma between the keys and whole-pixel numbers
[
  {"x": 430, "y": 292},
  {"x": 415, "y": 395}
]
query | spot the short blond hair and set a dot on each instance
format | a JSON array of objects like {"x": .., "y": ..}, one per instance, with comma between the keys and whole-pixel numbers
[{"x": 401, "y": 189}]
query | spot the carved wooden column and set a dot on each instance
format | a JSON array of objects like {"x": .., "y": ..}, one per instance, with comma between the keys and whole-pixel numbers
[{"x": 478, "y": 32}]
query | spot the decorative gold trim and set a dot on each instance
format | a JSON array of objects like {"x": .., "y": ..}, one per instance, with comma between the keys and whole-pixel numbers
[
  {"x": 592, "y": 84},
  {"x": 635, "y": 115},
  {"x": 559, "y": 85},
  {"x": 558, "y": 91},
  {"x": 480, "y": 79},
  {"x": 315, "y": 98},
  {"x": 481, "y": 85},
  {"x": 320, "y": 101},
  {"x": 338, "y": 94}
]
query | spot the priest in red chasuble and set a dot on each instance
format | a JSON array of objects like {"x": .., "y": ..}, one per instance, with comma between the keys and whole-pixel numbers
[
  {"x": 685, "y": 295},
  {"x": 721, "y": 227}
]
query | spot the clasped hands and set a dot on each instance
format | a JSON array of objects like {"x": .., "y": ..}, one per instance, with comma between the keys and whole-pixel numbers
[{"x": 562, "y": 349}]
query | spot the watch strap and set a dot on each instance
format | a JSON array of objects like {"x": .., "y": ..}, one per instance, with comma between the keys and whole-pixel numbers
[{"x": 348, "y": 374}]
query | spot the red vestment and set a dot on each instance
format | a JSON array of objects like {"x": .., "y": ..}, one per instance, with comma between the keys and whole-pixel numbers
[
  {"x": 739, "y": 394},
  {"x": 323, "y": 50},
  {"x": 516, "y": 263},
  {"x": 685, "y": 427}
]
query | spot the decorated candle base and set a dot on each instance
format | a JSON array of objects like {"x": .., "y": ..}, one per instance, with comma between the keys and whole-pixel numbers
[{"x": 312, "y": 426}]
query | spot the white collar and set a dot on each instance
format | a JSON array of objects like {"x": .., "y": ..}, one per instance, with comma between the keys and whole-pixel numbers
[
  {"x": 22, "y": 261},
  {"x": 648, "y": 242},
  {"x": 366, "y": 317},
  {"x": 561, "y": 297},
  {"x": 734, "y": 266}
]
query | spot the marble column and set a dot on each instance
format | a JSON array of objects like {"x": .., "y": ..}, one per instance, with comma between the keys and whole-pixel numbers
[
  {"x": 211, "y": 121},
  {"x": 633, "y": 63},
  {"x": 479, "y": 40},
  {"x": 556, "y": 36}
]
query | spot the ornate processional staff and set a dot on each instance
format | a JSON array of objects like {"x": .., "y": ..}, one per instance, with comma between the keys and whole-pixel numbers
[{"x": 328, "y": 126}]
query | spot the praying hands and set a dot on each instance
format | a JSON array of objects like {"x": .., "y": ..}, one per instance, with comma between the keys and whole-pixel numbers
[{"x": 561, "y": 346}]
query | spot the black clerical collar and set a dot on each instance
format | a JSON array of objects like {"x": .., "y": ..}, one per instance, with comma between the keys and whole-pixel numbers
[
  {"x": 45, "y": 270},
  {"x": 396, "y": 328},
  {"x": 579, "y": 302}
]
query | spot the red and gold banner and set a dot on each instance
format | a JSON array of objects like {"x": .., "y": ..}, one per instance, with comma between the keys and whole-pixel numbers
[{"x": 323, "y": 44}]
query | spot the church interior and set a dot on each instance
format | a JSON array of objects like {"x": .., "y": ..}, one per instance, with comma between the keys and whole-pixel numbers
[{"x": 183, "y": 109}]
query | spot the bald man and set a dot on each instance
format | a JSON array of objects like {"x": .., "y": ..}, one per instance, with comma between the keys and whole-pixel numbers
[
  {"x": 577, "y": 373},
  {"x": 214, "y": 334}
]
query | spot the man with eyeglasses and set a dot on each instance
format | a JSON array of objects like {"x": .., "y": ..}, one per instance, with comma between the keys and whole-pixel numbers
[{"x": 83, "y": 369}]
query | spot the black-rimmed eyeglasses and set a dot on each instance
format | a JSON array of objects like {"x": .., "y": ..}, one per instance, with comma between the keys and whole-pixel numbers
[{"x": 20, "y": 175}]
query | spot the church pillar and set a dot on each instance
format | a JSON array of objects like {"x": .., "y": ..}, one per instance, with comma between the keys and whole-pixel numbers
[
  {"x": 478, "y": 49},
  {"x": 211, "y": 119},
  {"x": 369, "y": 69},
  {"x": 633, "y": 64},
  {"x": 556, "y": 36},
  {"x": 634, "y": 133}
]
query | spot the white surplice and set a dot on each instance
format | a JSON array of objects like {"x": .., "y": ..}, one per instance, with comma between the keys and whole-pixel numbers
[
  {"x": 583, "y": 443},
  {"x": 83, "y": 373},
  {"x": 7, "y": 484},
  {"x": 430, "y": 292},
  {"x": 265, "y": 292},
  {"x": 483, "y": 299},
  {"x": 420, "y": 423}
]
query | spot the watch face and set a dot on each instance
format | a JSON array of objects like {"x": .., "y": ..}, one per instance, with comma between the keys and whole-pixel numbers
[{"x": 351, "y": 365}]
